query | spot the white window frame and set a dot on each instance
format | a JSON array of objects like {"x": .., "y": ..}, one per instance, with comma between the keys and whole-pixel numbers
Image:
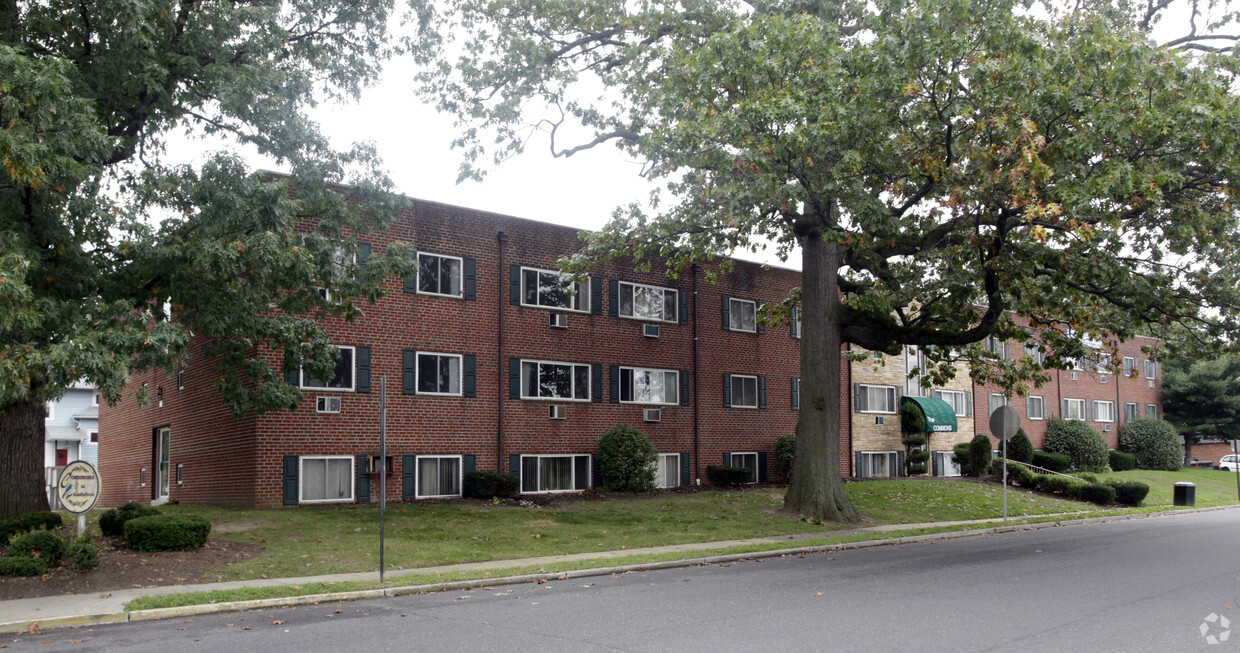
[
  {"x": 660, "y": 478},
  {"x": 1097, "y": 404},
  {"x": 744, "y": 377},
  {"x": 460, "y": 281},
  {"x": 939, "y": 393},
  {"x": 794, "y": 321},
  {"x": 735, "y": 317},
  {"x": 50, "y": 411},
  {"x": 1151, "y": 368},
  {"x": 417, "y": 480},
  {"x": 1135, "y": 413},
  {"x": 1040, "y": 402},
  {"x": 893, "y": 462},
  {"x": 1083, "y": 409},
  {"x": 572, "y": 382},
  {"x": 94, "y": 399},
  {"x": 1151, "y": 411},
  {"x": 995, "y": 401},
  {"x": 342, "y": 260},
  {"x": 946, "y": 464},
  {"x": 631, "y": 385},
  {"x": 301, "y": 479},
  {"x": 1130, "y": 366},
  {"x": 301, "y": 374},
  {"x": 572, "y": 464},
  {"x": 995, "y": 345},
  {"x": 1034, "y": 351},
  {"x": 580, "y": 297},
  {"x": 746, "y": 456},
  {"x": 888, "y": 390},
  {"x": 460, "y": 374},
  {"x": 92, "y": 437},
  {"x": 632, "y": 314}
]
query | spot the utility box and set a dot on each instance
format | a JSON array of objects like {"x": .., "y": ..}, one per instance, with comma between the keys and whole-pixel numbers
[{"x": 1185, "y": 494}]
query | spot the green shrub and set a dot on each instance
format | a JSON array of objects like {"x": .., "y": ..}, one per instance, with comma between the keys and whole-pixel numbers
[
  {"x": 12, "y": 565},
  {"x": 725, "y": 475},
  {"x": 46, "y": 520},
  {"x": 112, "y": 521},
  {"x": 8, "y": 528},
  {"x": 916, "y": 461},
  {"x": 485, "y": 485},
  {"x": 626, "y": 460},
  {"x": 1103, "y": 495},
  {"x": 1130, "y": 493},
  {"x": 1121, "y": 462},
  {"x": 167, "y": 532},
  {"x": 1087, "y": 477},
  {"x": 1019, "y": 448},
  {"x": 911, "y": 418},
  {"x": 785, "y": 455},
  {"x": 1085, "y": 448},
  {"x": 978, "y": 456},
  {"x": 1154, "y": 442},
  {"x": 960, "y": 456},
  {"x": 45, "y": 545},
  {"x": 1056, "y": 462},
  {"x": 1017, "y": 473},
  {"x": 1066, "y": 485},
  {"x": 83, "y": 553}
]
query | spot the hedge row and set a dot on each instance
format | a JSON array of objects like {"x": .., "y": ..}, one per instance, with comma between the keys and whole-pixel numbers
[{"x": 1129, "y": 493}]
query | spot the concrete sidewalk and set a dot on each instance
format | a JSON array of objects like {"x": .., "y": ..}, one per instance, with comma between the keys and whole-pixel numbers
[{"x": 22, "y": 615}]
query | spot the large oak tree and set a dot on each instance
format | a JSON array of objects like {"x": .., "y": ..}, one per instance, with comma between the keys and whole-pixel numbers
[{"x": 941, "y": 166}]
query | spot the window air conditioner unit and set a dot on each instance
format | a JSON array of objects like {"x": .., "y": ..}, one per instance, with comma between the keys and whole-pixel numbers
[
  {"x": 1106, "y": 428},
  {"x": 879, "y": 420},
  {"x": 653, "y": 414},
  {"x": 558, "y": 412},
  {"x": 559, "y": 320},
  {"x": 650, "y": 330},
  {"x": 327, "y": 404},
  {"x": 1074, "y": 376},
  {"x": 1151, "y": 383},
  {"x": 377, "y": 466},
  {"x": 1102, "y": 378}
]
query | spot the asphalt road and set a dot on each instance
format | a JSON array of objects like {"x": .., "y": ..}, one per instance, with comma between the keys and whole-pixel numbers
[{"x": 1131, "y": 585}]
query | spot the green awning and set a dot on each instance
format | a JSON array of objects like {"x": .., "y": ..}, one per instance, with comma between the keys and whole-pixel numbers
[{"x": 940, "y": 418}]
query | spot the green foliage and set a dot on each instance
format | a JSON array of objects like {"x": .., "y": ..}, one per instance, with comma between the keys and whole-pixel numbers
[
  {"x": 785, "y": 455},
  {"x": 1103, "y": 495},
  {"x": 1087, "y": 477},
  {"x": 485, "y": 485},
  {"x": 627, "y": 460},
  {"x": 46, "y": 520},
  {"x": 1154, "y": 442},
  {"x": 977, "y": 456},
  {"x": 1121, "y": 461},
  {"x": 1056, "y": 462},
  {"x": 22, "y": 565},
  {"x": 1202, "y": 398},
  {"x": 727, "y": 475},
  {"x": 960, "y": 456},
  {"x": 45, "y": 545},
  {"x": 1085, "y": 448},
  {"x": 1129, "y": 493},
  {"x": 1019, "y": 448},
  {"x": 83, "y": 552},
  {"x": 172, "y": 532},
  {"x": 1068, "y": 486},
  {"x": 911, "y": 418},
  {"x": 8, "y": 528},
  {"x": 112, "y": 521}
]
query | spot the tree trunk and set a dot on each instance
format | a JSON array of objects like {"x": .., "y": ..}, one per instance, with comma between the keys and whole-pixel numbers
[
  {"x": 1188, "y": 451},
  {"x": 21, "y": 459},
  {"x": 817, "y": 490}
]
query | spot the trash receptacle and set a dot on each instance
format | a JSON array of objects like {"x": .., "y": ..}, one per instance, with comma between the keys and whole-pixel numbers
[{"x": 1185, "y": 494}]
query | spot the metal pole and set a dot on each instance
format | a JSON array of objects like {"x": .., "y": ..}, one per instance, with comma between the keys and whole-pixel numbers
[
  {"x": 1234, "y": 445},
  {"x": 1005, "y": 509},
  {"x": 382, "y": 465}
]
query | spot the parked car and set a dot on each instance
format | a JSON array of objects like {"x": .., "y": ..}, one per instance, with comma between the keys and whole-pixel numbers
[{"x": 1230, "y": 462}]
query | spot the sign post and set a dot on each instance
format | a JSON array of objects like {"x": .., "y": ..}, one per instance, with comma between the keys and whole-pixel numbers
[
  {"x": 78, "y": 490},
  {"x": 1004, "y": 423}
]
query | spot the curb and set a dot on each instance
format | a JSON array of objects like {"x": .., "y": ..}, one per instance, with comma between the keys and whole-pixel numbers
[{"x": 155, "y": 614}]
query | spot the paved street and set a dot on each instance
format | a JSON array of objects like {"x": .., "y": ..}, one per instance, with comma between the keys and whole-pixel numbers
[{"x": 1131, "y": 585}]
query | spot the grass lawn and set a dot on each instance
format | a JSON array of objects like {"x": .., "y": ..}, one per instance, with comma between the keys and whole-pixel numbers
[{"x": 1215, "y": 487}]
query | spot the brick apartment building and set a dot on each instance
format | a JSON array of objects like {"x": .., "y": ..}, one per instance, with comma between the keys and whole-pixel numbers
[{"x": 492, "y": 362}]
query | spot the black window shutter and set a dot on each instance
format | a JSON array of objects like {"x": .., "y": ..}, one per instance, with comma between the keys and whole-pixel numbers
[
  {"x": 856, "y": 472},
  {"x": 596, "y": 382},
  {"x": 614, "y": 371},
  {"x": 794, "y": 329},
  {"x": 900, "y": 463},
  {"x": 514, "y": 466},
  {"x": 469, "y": 463},
  {"x": 471, "y": 375},
  {"x": 514, "y": 284},
  {"x": 857, "y": 407},
  {"x": 684, "y": 306},
  {"x": 762, "y": 391},
  {"x": 363, "y": 369},
  {"x": 471, "y": 279},
  {"x": 408, "y": 477},
  {"x": 934, "y": 464},
  {"x": 408, "y": 372},
  {"x": 596, "y": 295},
  {"x": 684, "y": 387},
  {"x": 363, "y": 253},
  {"x": 613, "y": 309},
  {"x": 968, "y": 404},
  {"x": 595, "y": 471},
  {"x": 727, "y": 459},
  {"x": 796, "y": 394},
  {"x": 758, "y": 317},
  {"x": 514, "y": 378},
  {"x": 290, "y": 481},
  {"x": 685, "y": 468},
  {"x": 727, "y": 305},
  {"x": 363, "y": 479},
  {"x": 762, "y": 467},
  {"x": 411, "y": 283},
  {"x": 727, "y": 390},
  {"x": 293, "y": 377}
]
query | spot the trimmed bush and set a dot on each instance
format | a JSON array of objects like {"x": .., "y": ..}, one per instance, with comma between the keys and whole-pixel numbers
[
  {"x": 45, "y": 545},
  {"x": 167, "y": 532},
  {"x": 1019, "y": 447},
  {"x": 978, "y": 456},
  {"x": 1103, "y": 495},
  {"x": 1154, "y": 442},
  {"x": 485, "y": 485},
  {"x": 8, "y": 528},
  {"x": 12, "y": 565},
  {"x": 724, "y": 475},
  {"x": 1121, "y": 462},
  {"x": 627, "y": 460},
  {"x": 1018, "y": 474},
  {"x": 1087, "y": 477},
  {"x": 45, "y": 520},
  {"x": 1085, "y": 448},
  {"x": 911, "y": 419},
  {"x": 1068, "y": 486},
  {"x": 1130, "y": 493},
  {"x": 960, "y": 456},
  {"x": 1056, "y": 462},
  {"x": 83, "y": 553},
  {"x": 785, "y": 455},
  {"x": 112, "y": 521}
]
